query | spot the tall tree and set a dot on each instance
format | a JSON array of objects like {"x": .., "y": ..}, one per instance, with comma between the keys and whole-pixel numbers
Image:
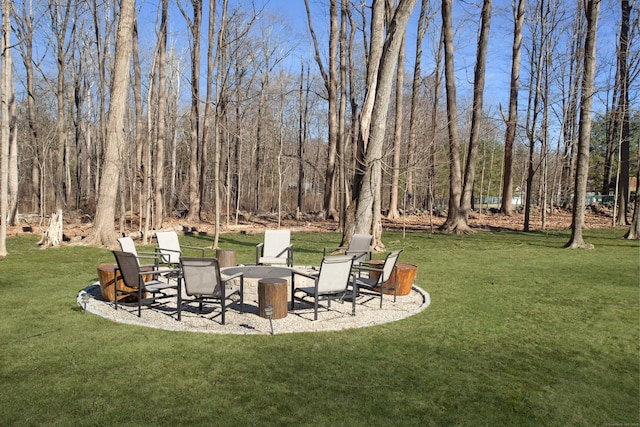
[
  {"x": 423, "y": 24},
  {"x": 634, "y": 229},
  {"x": 221, "y": 122},
  {"x": 330, "y": 79},
  {"x": 506, "y": 207},
  {"x": 592, "y": 11},
  {"x": 209, "y": 107},
  {"x": 60, "y": 15},
  {"x": 5, "y": 99},
  {"x": 623, "y": 113},
  {"x": 195, "y": 142},
  {"x": 161, "y": 120},
  {"x": 103, "y": 230},
  {"x": 461, "y": 194},
  {"x": 397, "y": 136},
  {"x": 378, "y": 91},
  {"x": 25, "y": 32},
  {"x": 536, "y": 60}
]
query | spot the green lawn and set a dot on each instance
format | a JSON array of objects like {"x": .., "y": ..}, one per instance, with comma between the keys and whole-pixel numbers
[{"x": 519, "y": 332}]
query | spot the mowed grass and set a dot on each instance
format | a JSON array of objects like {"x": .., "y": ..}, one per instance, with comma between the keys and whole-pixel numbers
[{"x": 519, "y": 332}]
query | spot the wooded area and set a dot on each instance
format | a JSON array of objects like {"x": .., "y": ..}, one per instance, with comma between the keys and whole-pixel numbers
[{"x": 209, "y": 110}]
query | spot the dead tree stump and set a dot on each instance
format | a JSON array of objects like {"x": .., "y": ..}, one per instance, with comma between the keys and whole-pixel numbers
[{"x": 52, "y": 236}]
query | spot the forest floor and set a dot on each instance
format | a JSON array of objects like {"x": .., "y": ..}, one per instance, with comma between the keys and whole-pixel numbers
[{"x": 78, "y": 226}]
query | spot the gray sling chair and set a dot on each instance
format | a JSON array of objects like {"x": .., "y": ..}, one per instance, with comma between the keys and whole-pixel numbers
[
  {"x": 331, "y": 282},
  {"x": 132, "y": 275},
  {"x": 276, "y": 249},
  {"x": 170, "y": 249},
  {"x": 360, "y": 247},
  {"x": 203, "y": 281},
  {"x": 385, "y": 279},
  {"x": 127, "y": 245}
]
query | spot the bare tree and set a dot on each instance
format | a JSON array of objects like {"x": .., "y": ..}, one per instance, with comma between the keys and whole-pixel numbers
[
  {"x": 397, "y": 136},
  {"x": 592, "y": 10},
  {"x": 12, "y": 207},
  {"x": 461, "y": 196},
  {"x": 161, "y": 120},
  {"x": 303, "y": 109},
  {"x": 423, "y": 24},
  {"x": 367, "y": 194},
  {"x": 60, "y": 15},
  {"x": 25, "y": 23},
  {"x": 209, "y": 106},
  {"x": 140, "y": 172},
  {"x": 221, "y": 116},
  {"x": 331, "y": 84},
  {"x": 536, "y": 58},
  {"x": 195, "y": 142},
  {"x": 623, "y": 113},
  {"x": 103, "y": 232},
  {"x": 6, "y": 100},
  {"x": 634, "y": 230},
  {"x": 510, "y": 133}
]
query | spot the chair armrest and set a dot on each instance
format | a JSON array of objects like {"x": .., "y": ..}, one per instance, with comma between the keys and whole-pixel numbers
[
  {"x": 259, "y": 249},
  {"x": 152, "y": 256},
  {"x": 290, "y": 255},
  {"x": 146, "y": 253},
  {"x": 156, "y": 272},
  {"x": 226, "y": 278},
  {"x": 197, "y": 248},
  {"x": 366, "y": 266},
  {"x": 159, "y": 249},
  {"x": 302, "y": 273}
]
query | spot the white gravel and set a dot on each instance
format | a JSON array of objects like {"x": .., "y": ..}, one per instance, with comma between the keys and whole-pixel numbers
[{"x": 162, "y": 315}]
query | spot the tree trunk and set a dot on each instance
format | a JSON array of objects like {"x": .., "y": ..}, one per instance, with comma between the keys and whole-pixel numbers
[
  {"x": 102, "y": 233},
  {"x": 584, "y": 129},
  {"x": 302, "y": 136},
  {"x": 634, "y": 230},
  {"x": 209, "y": 106},
  {"x": 533, "y": 106},
  {"x": 5, "y": 100},
  {"x": 370, "y": 185},
  {"x": 423, "y": 24},
  {"x": 506, "y": 207},
  {"x": 24, "y": 31},
  {"x": 397, "y": 138},
  {"x": 221, "y": 117},
  {"x": 140, "y": 178},
  {"x": 454, "y": 217},
  {"x": 12, "y": 208},
  {"x": 160, "y": 123},
  {"x": 53, "y": 235},
  {"x": 195, "y": 143},
  {"x": 331, "y": 85},
  {"x": 342, "y": 115},
  {"x": 623, "y": 114},
  {"x": 476, "y": 115}
]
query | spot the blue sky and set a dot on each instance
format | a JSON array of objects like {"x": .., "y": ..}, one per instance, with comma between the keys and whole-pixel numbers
[{"x": 465, "y": 19}]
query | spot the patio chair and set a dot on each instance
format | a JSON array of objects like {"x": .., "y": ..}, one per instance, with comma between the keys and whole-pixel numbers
[
  {"x": 359, "y": 247},
  {"x": 127, "y": 245},
  {"x": 132, "y": 276},
  {"x": 170, "y": 249},
  {"x": 276, "y": 249},
  {"x": 383, "y": 280},
  {"x": 203, "y": 281},
  {"x": 331, "y": 282}
]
